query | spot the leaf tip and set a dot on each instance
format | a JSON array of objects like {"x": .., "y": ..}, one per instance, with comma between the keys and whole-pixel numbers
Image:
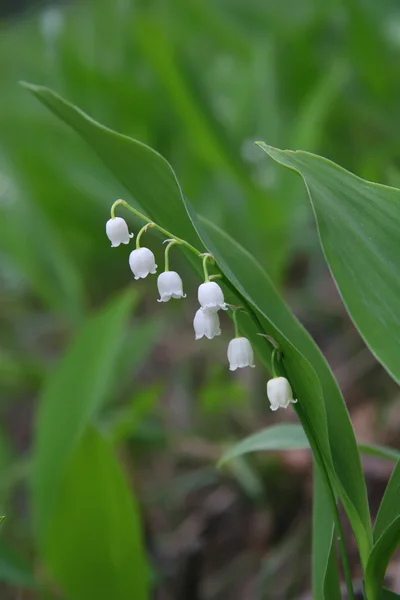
[
  {"x": 31, "y": 87},
  {"x": 26, "y": 84},
  {"x": 270, "y": 150},
  {"x": 262, "y": 144}
]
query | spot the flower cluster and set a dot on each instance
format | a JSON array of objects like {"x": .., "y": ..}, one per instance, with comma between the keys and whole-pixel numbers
[{"x": 210, "y": 296}]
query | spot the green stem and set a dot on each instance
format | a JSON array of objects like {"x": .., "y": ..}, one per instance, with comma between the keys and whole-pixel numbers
[
  {"x": 141, "y": 232},
  {"x": 167, "y": 233},
  {"x": 274, "y": 358},
  {"x": 205, "y": 268},
  {"x": 171, "y": 243},
  {"x": 114, "y": 206},
  {"x": 235, "y": 322}
]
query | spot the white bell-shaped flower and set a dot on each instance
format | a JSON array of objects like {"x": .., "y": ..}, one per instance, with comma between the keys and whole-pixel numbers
[
  {"x": 279, "y": 393},
  {"x": 211, "y": 297},
  {"x": 169, "y": 286},
  {"x": 142, "y": 262},
  {"x": 117, "y": 232},
  {"x": 206, "y": 323},
  {"x": 240, "y": 353}
]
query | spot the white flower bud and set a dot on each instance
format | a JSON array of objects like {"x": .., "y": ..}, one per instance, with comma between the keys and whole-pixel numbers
[
  {"x": 117, "y": 232},
  {"x": 279, "y": 393},
  {"x": 240, "y": 354},
  {"x": 206, "y": 323},
  {"x": 169, "y": 286},
  {"x": 211, "y": 297},
  {"x": 142, "y": 262}
]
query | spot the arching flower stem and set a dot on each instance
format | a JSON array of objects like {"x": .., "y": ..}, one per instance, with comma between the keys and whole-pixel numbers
[
  {"x": 206, "y": 257},
  {"x": 236, "y": 324},
  {"x": 167, "y": 249},
  {"x": 275, "y": 356},
  {"x": 235, "y": 310},
  {"x": 141, "y": 232},
  {"x": 167, "y": 233}
]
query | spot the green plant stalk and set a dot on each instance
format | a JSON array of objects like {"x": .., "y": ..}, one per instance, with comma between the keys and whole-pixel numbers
[{"x": 150, "y": 222}]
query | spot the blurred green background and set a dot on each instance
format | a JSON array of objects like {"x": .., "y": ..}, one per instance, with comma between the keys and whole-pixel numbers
[{"x": 199, "y": 81}]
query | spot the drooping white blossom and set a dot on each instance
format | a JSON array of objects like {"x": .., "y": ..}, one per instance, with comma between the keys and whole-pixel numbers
[
  {"x": 240, "y": 354},
  {"x": 117, "y": 231},
  {"x": 206, "y": 323},
  {"x": 279, "y": 393},
  {"x": 211, "y": 297},
  {"x": 169, "y": 286},
  {"x": 142, "y": 262}
]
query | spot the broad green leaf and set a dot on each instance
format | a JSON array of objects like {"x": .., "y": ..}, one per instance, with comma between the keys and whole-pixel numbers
[
  {"x": 95, "y": 547},
  {"x": 291, "y": 436},
  {"x": 389, "y": 508},
  {"x": 74, "y": 392},
  {"x": 379, "y": 559},
  {"x": 288, "y": 436},
  {"x": 325, "y": 576},
  {"x": 358, "y": 223},
  {"x": 153, "y": 183}
]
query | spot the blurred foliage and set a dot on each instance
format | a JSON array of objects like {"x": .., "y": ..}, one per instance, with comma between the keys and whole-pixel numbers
[{"x": 199, "y": 81}]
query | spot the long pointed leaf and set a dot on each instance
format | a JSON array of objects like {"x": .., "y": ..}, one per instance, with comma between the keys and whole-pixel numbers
[
  {"x": 291, "y": 436},
  {"x": 94, "y": 548},
  {"x": 358, "y": 223},
  {"x": 74, "y": 392},
  {"x": 288, "y": 436}
]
